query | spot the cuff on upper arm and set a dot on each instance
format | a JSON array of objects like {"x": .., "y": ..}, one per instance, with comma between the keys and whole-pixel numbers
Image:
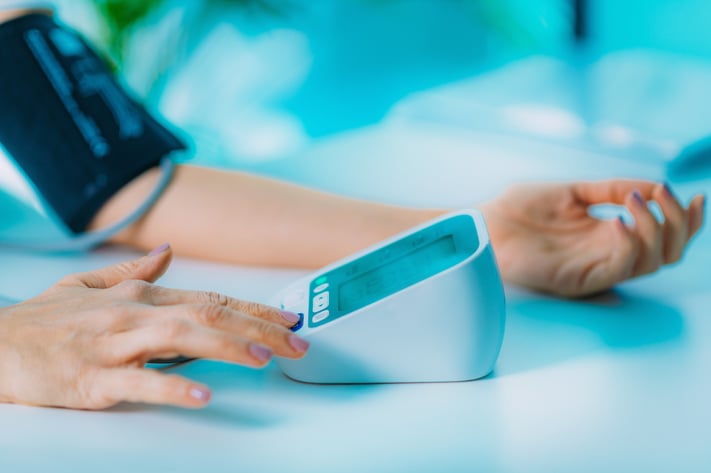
[{"x": 70, "y": 128}]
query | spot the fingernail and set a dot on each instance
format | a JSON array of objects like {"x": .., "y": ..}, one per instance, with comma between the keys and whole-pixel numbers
[
  {"x": 161, "y": 249},
  {"x": 638, "y": 198},
  {"x": 298, "y": 324},
  {"x": 201, "y": 394},
  {"x": 621, "y": 221},
  {"x": 298, "y": 343},
  {"x": 667, "y": 189},
  {"x": 260, "y": 352},
  {"x": 290, "y": 316}
]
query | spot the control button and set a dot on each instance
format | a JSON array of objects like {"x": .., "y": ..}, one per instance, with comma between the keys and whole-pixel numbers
[
  {"x": 320, "y": 317},
  {"x": 320, "y": 302},
  {"x": 299, "y": 324},
  {"x": 294, "y": 298},
  {"x": 321, "y": 288}
]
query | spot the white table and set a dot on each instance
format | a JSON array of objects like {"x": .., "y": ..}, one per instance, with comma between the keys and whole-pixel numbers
[{"x": 616, "y": 383}]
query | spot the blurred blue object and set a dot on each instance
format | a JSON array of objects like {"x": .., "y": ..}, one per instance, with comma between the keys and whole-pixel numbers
[
  {"x": 250, "y": 86},
  {"x": 679, "y": 26},
  {"x": 694, "y": 161},
  {"x": 641, "y": 105},
  {"x": 255, "y": 86}
]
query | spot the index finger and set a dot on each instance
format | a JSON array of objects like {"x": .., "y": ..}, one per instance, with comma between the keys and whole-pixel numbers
[
  {"x": 164, "y": 296},
  {"x": 613, "y": 191}
]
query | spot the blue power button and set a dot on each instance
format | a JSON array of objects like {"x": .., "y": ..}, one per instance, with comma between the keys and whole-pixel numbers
[{"x": 299, "y": 324}]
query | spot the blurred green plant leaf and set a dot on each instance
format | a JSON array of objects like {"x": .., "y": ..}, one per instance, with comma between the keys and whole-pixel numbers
[{"x": 518, "y": 22}]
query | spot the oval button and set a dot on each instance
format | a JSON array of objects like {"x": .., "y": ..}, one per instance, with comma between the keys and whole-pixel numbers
[
  {"x": 321, "y": 288},
  {"x": 320, "y": 302},
  {"x": 320, "y": 317}
]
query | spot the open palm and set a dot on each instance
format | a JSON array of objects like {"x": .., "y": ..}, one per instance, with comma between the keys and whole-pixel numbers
[{"x": 545, "y": 239}]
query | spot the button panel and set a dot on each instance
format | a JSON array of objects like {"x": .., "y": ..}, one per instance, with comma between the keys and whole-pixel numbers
[{"x": 320, "y": 302}]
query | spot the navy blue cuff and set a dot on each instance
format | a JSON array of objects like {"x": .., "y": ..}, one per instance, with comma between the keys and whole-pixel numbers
[{"x": 67, "y": 123}]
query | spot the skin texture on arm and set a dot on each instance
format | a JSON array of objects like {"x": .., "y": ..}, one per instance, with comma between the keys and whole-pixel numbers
[
  {"x": 245, "y": 219},
  {"x": 542, "y": 234}
]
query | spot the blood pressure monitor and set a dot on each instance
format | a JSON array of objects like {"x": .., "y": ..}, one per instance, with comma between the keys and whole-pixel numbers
[{"x": 425, "y": 305}]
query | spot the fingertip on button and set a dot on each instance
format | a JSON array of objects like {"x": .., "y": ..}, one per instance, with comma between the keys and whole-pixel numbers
[
  {"x": 299, "y": 323},
  {"x": 290, "y": 317}
]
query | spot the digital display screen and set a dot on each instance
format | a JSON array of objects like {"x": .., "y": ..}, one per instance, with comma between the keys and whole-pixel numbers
[
  {"x": 396, "y": 275},
  {"x": 390, "y": 269}
]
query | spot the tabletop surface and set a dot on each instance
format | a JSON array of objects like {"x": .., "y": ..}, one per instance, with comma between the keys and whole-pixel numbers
[{"x": 619, "y": 382}]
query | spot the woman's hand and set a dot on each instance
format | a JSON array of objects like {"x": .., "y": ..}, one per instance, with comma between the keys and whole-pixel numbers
[
  {"x": 84, "y": 342},
  {"x": 545, "y": 239}
]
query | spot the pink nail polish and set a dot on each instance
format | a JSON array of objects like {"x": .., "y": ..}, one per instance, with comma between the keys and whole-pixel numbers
[
  {"x": 297, "y": 326},
  {"x": 290, "y": 316},
  {"x": 638, "y": 198},
  {"x": 161, "y": 249},
  {"x": 298, "y": 343},
  {"x": 260, "y": 352},
  {"x": 201, "y": 394}
]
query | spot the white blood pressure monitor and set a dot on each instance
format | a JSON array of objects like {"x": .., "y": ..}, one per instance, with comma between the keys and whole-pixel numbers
[{"x": 425, "y": 305}]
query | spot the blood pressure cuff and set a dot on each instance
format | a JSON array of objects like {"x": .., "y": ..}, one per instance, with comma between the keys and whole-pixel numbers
[{"x": 67, "y": 124}]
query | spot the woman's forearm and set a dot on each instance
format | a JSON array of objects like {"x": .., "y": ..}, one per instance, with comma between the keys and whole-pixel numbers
[
  {"x": 7, "y": 15},
  {"x": 246, "y": 219}
]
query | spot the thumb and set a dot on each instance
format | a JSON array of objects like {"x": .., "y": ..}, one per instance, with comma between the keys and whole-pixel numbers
[{"x": 148, "y": 268}]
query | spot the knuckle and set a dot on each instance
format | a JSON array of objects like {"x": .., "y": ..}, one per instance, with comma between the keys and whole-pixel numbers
[
  {"x": 211, "y": 314},
  {"x": 255, "y": 309},
  {"x": 216, "y": 298},
  {"x": 68, "y": 280},
  {"x": 134, "y": 289},
  {"x": 261, "y": 330}
]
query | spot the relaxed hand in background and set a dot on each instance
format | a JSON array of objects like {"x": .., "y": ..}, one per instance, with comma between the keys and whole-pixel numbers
[
  {"x": 545, "y": 239},
  {"x": 85, "y": 341}
]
